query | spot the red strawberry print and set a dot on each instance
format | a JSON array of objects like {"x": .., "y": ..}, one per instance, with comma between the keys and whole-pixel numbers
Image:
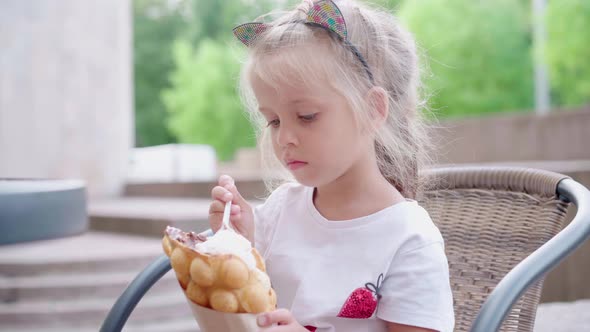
[{"x": 362, "y": 302}]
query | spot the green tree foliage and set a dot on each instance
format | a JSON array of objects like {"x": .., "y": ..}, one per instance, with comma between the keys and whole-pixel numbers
[
  {"x": 478, "y": 53},
  {"x": 568, "y": 51},
  {"x": 155, "y": 26},
  {"x": 215, "y": 19},
  {"x": 203, "y": 103},
  {"x": 390, "y": 4}
]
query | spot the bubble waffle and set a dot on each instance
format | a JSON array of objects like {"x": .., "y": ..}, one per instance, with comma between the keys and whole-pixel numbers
[{"x": 222, "y": 282}]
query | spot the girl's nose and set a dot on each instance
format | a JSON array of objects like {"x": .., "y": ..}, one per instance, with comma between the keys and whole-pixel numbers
[{"x": 286, "y": 136}]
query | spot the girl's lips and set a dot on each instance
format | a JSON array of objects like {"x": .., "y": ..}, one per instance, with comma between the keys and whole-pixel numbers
[{"x": 296, "y": 164}]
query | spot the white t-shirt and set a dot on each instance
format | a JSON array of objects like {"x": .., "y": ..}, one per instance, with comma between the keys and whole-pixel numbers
[{"x": 327, "y": 272}]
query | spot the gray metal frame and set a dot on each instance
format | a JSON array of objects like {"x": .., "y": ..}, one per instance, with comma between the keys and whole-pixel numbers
[{"x": 493, "y": 311}]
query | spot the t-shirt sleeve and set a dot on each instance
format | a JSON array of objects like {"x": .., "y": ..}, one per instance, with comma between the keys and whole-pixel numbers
[
  {"x": 416, "y": 290},
  {"x": 266, "y": 216}
]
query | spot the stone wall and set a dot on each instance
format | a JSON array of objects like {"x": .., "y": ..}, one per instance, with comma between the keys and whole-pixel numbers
[
  {"x": 560, "y": 135},
  {"x": 66, "y": 91}
]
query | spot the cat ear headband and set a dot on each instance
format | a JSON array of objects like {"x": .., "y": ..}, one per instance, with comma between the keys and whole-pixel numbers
[{"x": 324, "y": 14}]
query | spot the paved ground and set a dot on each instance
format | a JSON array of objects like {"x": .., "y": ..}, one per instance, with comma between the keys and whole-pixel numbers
[{"x": 563, "y": 317}]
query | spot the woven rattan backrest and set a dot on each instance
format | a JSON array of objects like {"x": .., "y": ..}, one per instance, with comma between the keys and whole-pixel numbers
[{"x": 491, "y": 219}]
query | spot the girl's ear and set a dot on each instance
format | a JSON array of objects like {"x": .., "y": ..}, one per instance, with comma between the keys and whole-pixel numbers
[{"x": 379, "y": 103}]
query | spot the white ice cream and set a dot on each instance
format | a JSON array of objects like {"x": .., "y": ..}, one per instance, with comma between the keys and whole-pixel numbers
[{"x": 226, "y": 241}]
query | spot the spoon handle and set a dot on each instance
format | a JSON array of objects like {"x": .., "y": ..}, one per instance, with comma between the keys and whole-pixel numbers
[{"x": 226, "y": 212}]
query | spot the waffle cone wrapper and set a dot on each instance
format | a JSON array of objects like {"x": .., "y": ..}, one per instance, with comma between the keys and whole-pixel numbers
[
  {"x": 215, "y": 321},
  {"x": 220, "y": 288}
]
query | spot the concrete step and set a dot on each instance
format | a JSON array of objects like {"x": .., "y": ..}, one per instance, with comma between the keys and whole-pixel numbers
[
  {"x": 148, "y": 216},
  {"x": 90, "y": 312},
  {"x": 67, "y": 286},
  {"x": 87, "y": 253},
  {"x": 188, "y": 324},
  {"x": 112, "y": 265},
  {"x": 72, "y": 283}
]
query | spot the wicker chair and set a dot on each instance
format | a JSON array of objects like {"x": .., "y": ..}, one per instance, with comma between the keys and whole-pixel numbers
[
  {"x": 492, "y": 219},
  {"x": 500, "y": 227}
]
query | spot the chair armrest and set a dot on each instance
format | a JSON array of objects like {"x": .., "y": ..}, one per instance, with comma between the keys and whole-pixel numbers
[
  {"x": 516, "y": 282},
  {"x": 125, "y": 304}
]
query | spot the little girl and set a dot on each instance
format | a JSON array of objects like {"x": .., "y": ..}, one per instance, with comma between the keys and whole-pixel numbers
[{"x": 347, "y": 246}]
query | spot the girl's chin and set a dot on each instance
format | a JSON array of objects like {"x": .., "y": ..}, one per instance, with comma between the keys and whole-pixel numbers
[
  {"x": 310, "y": 181},
  {"x": 304, "y": 180}
]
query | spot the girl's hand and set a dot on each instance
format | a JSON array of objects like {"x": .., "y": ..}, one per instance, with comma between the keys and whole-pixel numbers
[
  {"x": 241, "y": 216},
  {"x": 280, "y": 320}
]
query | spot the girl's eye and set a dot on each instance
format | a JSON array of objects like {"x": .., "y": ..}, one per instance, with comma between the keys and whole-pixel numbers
[
  {"x": 308, "y": 117},
  {"x": 273, "y": 123}
]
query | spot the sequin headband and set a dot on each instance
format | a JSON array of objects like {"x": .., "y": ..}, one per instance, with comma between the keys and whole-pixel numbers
[{"x": 324, "y": 14}]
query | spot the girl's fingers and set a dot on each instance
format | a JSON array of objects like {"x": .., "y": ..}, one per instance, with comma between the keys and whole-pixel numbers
[
  {"x": 216, "y": 214},
  {"x": 227, "y": 185},
  {"x": 225, "y": 180},
  {"x": 279, "y": 316},
  {"x": 236, "y": 196},
  {"x": 216, "y": 207},
  {"x": 222, "y": 194},
  {"x": 235, "y": 219}
]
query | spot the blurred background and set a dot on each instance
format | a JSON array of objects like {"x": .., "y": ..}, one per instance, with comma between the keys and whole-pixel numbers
[{"x": 137, "y": 99}]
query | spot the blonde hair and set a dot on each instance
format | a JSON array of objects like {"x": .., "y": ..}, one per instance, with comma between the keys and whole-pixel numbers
[{"x": 401, "y": 144}]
